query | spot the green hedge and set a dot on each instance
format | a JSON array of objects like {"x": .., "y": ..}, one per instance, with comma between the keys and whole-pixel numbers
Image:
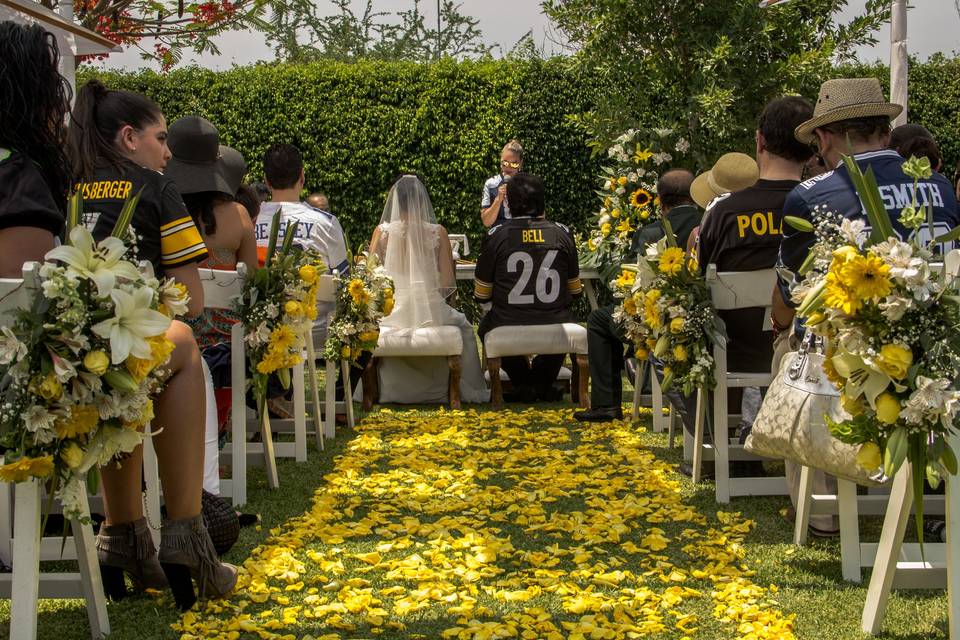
[{"x": 358, "y": 125}]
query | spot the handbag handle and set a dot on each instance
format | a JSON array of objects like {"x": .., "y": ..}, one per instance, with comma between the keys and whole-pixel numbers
[{"x": 811, "y": 343}]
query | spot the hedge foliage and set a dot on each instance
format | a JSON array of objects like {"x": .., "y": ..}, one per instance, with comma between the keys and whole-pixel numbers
[{"x": 360, "y": 124}]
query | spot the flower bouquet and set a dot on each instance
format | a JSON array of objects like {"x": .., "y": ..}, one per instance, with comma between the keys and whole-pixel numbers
[
  {"x": 888, "y": 312},
  {"x": 80, "y": 366},
  {"x": 628, "y": 194},
  {"x": 364, "y": 297},
  {"x": 277, "y": 308},
  {"x": 666, "y": 310}
]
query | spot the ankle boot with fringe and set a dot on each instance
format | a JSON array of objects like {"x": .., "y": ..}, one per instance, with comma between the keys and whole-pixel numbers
[
  {"x": 186, "y": 551},
  {"x": 128, "y": 548}
]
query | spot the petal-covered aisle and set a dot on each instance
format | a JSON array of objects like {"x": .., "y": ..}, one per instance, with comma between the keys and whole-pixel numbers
[{"x": 497, "y": 525}]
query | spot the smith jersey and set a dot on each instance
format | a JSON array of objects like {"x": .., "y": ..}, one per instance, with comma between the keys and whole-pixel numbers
[
  {"x": 165, "y": 233},
  {"x": 528, "y": 268},
  {"x": 835, "y": 192}
]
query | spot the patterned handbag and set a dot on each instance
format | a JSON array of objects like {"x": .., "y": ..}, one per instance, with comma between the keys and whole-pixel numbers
[{"x": 791, "y": 423}]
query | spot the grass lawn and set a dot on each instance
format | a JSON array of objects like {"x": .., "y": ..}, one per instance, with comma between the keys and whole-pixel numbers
[{"x": 512, "y": 524}]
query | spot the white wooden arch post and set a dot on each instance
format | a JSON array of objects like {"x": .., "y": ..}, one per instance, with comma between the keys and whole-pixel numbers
[{"x": 25, "y": 584}]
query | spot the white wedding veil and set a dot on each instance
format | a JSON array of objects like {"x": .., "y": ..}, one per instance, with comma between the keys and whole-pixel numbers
[{"x": 410, "y": 249}]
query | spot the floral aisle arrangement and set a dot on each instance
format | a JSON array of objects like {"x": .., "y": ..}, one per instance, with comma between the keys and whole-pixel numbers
[
  {"x": 364, "y": 297},
  {"x": 277, "y": 309},
  {"x": 79, "y": 368},
  {"x": 666, "y": 310},
  {"x": 888, "y": 312},
  {"x": 628, "y": 194}
]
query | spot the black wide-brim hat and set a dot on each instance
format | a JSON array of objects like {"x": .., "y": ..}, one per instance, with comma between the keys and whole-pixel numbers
[{"x": 197, "y": 164}]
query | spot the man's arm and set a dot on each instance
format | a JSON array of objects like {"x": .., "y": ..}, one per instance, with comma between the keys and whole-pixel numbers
[
  {"x": 330, "y": 241},
  {"x": 794, "y": 247}
]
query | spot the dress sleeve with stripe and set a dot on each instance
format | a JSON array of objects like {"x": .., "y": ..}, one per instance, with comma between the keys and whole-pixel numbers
[{"x": 180, "y": 240}]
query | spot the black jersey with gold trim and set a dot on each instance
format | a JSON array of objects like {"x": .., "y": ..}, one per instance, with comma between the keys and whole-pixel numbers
[
  {"x": 166, "y": 235},
  {"x": 528, "y": 269}
]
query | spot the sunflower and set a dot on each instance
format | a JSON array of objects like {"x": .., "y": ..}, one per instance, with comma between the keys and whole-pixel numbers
[
  {"x": 867, "y": 277},
  {"x": 640, "y": 198},
  {"x": 671, "y": 260}
]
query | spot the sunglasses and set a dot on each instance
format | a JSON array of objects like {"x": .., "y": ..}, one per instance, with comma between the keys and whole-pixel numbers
[{"x": 511, "y": 165}]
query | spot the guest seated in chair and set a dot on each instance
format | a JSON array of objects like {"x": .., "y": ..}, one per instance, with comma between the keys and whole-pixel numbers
[
  {"x": 416, "y": 253},
  {"x": 606, "y": 337},
  {"x": 528, "y": 270}
]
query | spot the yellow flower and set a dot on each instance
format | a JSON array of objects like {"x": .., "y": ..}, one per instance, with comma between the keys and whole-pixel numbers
[
  {"x": 640, "y": 352},
  {"x": 26, "y": 468},
  {"x": 308, "y": 273},
  {"x": 96, "y": 362},
  {"x": 869, "y": 456},
  {"x": 693, "y": 266},
  {"x": 387, "y": 306},
  {"x": 640, "y": 198},
  {"x": 888, "y": 408},
  {"x": 671, "y": 260},
  {"x": 626, "y": 279},
  {"x": 145, "y": 417},
  {"x": 837, "y": 296},
  {"x": 292, "y": 308},
  {"x": 138, "y": 368},
  {"x": 629, "y": 307},
  {"x": 622, "y": 181},
  {"x": 842, "y": 255},
  {"x": 369, "y": 336},
  {"x": 160, "y": 350},
  {"x": 815, "y": 318},
  {"x": 680, "y": 353},
  {"x": 867, "y": 277},
  {"x": 624, "y": 226},
  {"x": 47, "y": 387},
  {"x": 894, "y": 360},
  {"x": 651, "y": 343},
  {"x": 345, "y": 352},
  {"x": 644, "y": 214},
  {"x": 676, "y": 325},
  {"x": 605, "y": 229},
  {"x": 615, "y": 213},
  {"x": 282, "y": 337},
  {"x": 311, "y": 312},
  {"x": 643, "y": 156},
  {"x": 72, "y": 455},
  {"x": 851, "y": 405},
  {"x": 82, "y": 420},
  {"x": 591, "y": 245}
]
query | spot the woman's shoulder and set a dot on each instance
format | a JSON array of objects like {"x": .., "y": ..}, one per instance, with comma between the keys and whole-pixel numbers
[{"x": 25, "y": 197}]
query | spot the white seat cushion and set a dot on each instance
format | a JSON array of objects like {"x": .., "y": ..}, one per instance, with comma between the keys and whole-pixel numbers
[
  {"x": 516, "y": 340},
  {"x": 426, "y": 341}
]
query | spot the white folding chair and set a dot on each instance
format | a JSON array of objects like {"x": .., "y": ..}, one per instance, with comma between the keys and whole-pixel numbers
[
  {"x": 326, "y": 427},
  {"x": 221, "y": 289},
  {"x": 729, "y": 291},
  {"x": 516, "y": 340},
  {"x": 423, "y": 342},
  {"x": 21, "y": 544}
]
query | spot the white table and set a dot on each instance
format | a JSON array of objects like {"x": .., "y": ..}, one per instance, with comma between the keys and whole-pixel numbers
[{"x": 589, "y": 277}]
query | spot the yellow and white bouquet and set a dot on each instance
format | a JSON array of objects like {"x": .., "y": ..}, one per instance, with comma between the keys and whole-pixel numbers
[
  {"x": 80, "y": 367},
  {"x": 628, "y": 193},
  {"x": 666, "y": 311},
  {"x": 364, "y": 297},
  {"x": 888, "y": 312},
  {"x": 277, "y": 309}
]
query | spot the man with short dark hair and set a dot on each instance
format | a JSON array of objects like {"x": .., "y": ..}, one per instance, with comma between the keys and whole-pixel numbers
[
  {"x": 528, "y": 269},
  {"x": 605, "y": 337},
  {"x": 317, "y": 230}
]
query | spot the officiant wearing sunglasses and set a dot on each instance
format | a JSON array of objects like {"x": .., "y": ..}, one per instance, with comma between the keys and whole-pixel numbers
[{"x": 494, "y": 208}]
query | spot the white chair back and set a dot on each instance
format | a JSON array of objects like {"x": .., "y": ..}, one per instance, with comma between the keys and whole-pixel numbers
[
  {"x": 327, "y": 289},
  {"x": 740, "y": 289},
  {"x": 459, "y": 245},
  {"x": 17, "y": 293},
  {"x": 222, "y": 288}
]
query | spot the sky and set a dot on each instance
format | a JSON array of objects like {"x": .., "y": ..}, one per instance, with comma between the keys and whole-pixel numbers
[{"x": 933, "y": 25}]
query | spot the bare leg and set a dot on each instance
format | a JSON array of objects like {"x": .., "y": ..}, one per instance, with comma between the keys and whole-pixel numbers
[
  {"x": 180, "y": 413},
  {"x": 121, "y": 489}
]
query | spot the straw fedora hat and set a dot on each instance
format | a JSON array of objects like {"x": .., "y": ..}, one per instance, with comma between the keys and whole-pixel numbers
[
  {"x": 846, "y": 99},
  {"x": 732, "y": 172}
]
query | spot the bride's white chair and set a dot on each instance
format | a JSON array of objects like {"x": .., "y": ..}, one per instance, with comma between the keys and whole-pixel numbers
[
  {"x": 426, "y": 341},
  {"x": 23, "y": 501},
  {"x": 516, "y": 340}
]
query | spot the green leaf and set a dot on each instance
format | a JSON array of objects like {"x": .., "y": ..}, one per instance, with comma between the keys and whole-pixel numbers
[
  {"x": 896, "y": 451},
  {"x": 869, "y": 192},
  {"x": 949, "y": 236},
  {"x": 126, "y": 215},
  {"x": 949, "y": 459}
]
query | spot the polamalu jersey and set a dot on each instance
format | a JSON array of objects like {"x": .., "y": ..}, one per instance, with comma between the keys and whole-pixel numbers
[
  {"x": 166, "y": 235},
  {"x": 528, "y": 268}
]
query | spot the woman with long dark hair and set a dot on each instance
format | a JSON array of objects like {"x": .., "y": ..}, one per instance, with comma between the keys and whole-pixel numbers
[
  {"x": 34, "y": 176},
  {"x": 118, "y": 145}
]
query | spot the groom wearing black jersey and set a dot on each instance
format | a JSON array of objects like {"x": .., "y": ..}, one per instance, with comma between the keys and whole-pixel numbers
[{"x": 528, "y": 269}]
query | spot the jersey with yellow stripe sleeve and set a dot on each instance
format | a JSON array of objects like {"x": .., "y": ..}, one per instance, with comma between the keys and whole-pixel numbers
[{"x": 166, "y": 235}]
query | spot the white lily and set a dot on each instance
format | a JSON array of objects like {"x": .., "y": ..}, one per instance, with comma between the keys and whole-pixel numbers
[
  {"x": 101, "y": 262},
  {"x": 133, "y": 322}
]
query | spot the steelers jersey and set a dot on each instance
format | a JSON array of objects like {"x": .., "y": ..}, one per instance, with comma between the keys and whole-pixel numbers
[
  {"x": 166, "y": 235},
  {"x": 528, "y": 269}
]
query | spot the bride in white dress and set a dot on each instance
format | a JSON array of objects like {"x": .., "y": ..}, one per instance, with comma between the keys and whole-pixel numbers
[{"x": 415, "y": 251}]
